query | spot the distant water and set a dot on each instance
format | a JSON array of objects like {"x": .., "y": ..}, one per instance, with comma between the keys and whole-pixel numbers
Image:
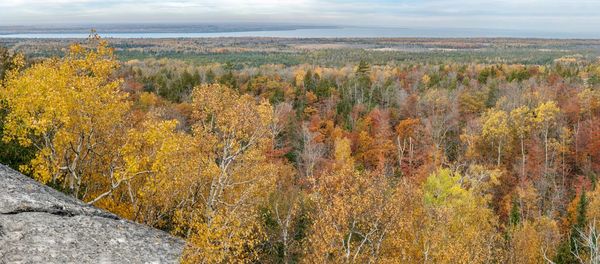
[{"x": 342, "y": 32}]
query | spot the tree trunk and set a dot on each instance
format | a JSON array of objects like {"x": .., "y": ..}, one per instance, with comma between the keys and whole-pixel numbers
[
  {"x": 410, "y": 153},
  {"x": 499, "y": 153},
  {"x": 546, "y": 152},
  {"x": 522, "y": 159}
]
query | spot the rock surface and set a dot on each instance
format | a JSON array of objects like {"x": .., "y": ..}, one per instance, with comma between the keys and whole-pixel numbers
[{"x": 41, "y": 225}]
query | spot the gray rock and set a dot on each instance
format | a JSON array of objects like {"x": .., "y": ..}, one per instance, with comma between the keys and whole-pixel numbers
[{"x": 41, "y": 225}]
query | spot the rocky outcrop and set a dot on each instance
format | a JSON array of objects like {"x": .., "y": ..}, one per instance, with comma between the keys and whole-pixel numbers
[{"x": 41, "y": 225}]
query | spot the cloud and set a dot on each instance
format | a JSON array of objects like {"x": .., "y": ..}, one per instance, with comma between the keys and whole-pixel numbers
[{"x": 565, "y": 15}]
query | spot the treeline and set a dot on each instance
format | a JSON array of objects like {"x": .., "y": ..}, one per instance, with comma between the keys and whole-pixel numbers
[
  {"x": 343, "y": 56},
  {"x": 414, "y": 163},
  {"x": 254, "y": 52}
]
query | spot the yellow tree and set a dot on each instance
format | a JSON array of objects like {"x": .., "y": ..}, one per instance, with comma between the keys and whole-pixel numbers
[
  {"x": 593, "y": 212},
  {"x": 458, "y": 228},
  {"x": 355, "y": 213},
  {"x": 521, "y": 121},
  {"x": 73, "y": 112},
  {"x": 405, "y": 131},
  {"x": 425, "y": 80},
  {"x": 534, "y": 241},
  {"x": 546, "y": 115},
  {"x": 495, "y": 128},
  {"x": 205, "y": 185},
  {"x": 232, "y": 133},
  {"x": 169, "y": 158}
]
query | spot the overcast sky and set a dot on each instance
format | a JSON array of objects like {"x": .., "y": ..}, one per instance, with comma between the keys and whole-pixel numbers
[{"x": 543, "y": 15}]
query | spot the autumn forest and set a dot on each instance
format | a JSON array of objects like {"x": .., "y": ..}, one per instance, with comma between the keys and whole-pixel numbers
[{"x": 345, "y": 152}]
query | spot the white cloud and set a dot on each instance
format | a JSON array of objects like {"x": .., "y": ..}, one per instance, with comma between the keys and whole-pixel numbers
[{"x": 537, "y": 14}]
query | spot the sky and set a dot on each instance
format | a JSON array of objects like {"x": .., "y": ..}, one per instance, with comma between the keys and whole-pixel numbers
[{"x": 541, "y": 15}]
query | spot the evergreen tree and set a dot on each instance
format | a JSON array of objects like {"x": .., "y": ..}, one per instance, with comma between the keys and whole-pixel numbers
[
  {"x": 209, "y": 77},
  {"x": 581, "y": 220},
  {"x": 309, "y": 81},
  {"x": 6, "y": 59},
  {"x": 363, "y": 68},
  {"x": 566, "y": 249},
  {"x": 228, "y": 79},
  {"x": 515, "y": 214},
  {"x": 12, "y": 153}
]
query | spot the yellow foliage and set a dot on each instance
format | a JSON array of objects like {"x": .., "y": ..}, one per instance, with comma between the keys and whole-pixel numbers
[
  {"x": 496, "y": 129},
  {"x": 148, "y": 100},
  {"x": 234, "y": 178},
  {"x": 546, "y": 113},
  {"x": 495, "y": 125},
  {"x": 299, "y": 77},
  {"x": 207, "y": 183},
  {"x": 311, "y": 97},
  {"x": 531, "y": 240},
  {"x": 593, "y": 212},
  {"x": 590, "y": 101},
  {"x": 425, "y": 79},
  {"x": 458, "y": 228},
  {"x": 73, "y": 112},
  {"x": 357, "y": 215},
  {"x": 406, "y": 128},
  {"x": 521, "y": 120},
  {"x": 343, "y": 158},
  {"x": 227, "y": 239}
]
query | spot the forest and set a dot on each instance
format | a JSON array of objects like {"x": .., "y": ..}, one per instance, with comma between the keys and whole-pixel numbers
[{"x": 306, "y": 151}]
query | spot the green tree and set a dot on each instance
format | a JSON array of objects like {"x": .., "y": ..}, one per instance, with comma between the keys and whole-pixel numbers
[
  {"x": 515, "y": 214},
  {"x": 6, "y": 62},
  {"x": 309, "y": 81},
  {"x": 209, "y": 77},
  {"x": 565, "y": 254}
]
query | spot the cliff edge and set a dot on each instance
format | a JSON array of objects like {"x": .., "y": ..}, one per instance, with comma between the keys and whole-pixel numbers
[{"x": 41, "y": 225}]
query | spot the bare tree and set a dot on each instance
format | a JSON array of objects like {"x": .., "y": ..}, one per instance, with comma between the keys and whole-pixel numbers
[
  {"x": 587, "y": 249},
  {"x": 281, "y": 114},
  {"x": 311, "y": 153}
]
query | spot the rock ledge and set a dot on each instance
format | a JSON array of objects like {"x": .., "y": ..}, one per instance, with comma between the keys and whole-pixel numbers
[{"x": 41, "y": 225}]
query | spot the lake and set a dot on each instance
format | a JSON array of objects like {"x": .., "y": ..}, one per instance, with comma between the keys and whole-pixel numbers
[{"x": 342, "y": 32}]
